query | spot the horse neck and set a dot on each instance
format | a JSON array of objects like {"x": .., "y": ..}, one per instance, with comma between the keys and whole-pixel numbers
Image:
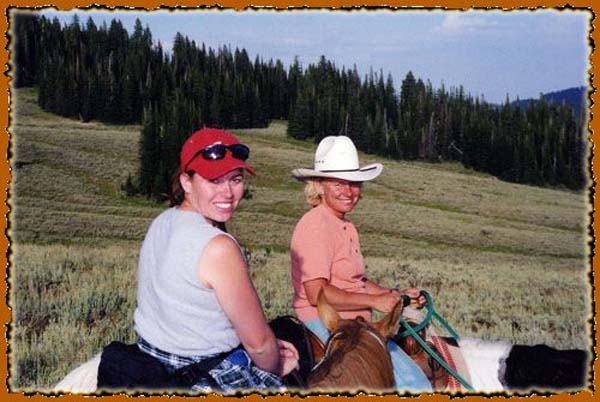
[{"x": 356, "y": 358}]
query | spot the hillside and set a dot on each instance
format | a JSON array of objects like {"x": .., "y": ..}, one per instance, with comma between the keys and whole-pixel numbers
[
  {"x": 502, "y": 261},
  {"x": 574, "y": 97}
]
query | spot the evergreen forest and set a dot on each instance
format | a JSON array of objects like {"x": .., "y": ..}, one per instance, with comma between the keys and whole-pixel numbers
[{"x": 104, "y": 73}]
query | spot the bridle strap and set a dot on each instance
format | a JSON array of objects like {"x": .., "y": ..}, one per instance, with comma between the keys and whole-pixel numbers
[
  {"x": 377, "y": 337},
  {"x": 337, "y": 334}
]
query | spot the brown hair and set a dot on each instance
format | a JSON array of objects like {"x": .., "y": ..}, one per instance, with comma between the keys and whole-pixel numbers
[{"x": 177, "y": 194}]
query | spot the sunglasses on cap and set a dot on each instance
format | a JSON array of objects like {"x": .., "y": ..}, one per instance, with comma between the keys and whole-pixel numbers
[{"x": 218, "y": 151}]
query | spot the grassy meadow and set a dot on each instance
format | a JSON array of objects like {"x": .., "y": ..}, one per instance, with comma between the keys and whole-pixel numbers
[{"x": 501, "y": 260}]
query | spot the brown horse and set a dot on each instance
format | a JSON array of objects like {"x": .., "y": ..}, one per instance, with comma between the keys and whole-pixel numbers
[{"x": 356, "y": 356}]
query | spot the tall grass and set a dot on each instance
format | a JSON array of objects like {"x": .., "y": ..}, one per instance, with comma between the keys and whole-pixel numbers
[{"x": 502, "y": 261}]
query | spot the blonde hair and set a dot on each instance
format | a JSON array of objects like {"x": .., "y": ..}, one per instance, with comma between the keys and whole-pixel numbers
[{"x": 312, "y": 193}]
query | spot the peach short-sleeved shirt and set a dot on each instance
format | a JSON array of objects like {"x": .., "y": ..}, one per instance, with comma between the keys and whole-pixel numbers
[{"x": 325, "y": 246}]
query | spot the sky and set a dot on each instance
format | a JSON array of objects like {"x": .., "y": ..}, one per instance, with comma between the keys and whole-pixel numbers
[{"x": 492, "y": 54}]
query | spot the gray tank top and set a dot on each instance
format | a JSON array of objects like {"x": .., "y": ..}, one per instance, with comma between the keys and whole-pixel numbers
[{"x": 175, "y": 312}]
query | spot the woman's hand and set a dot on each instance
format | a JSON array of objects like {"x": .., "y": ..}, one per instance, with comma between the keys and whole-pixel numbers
[
  {"x": 288, "y": 356},
  {"x": 385, "y": 302},
  {"x": 417, "y": 300}
]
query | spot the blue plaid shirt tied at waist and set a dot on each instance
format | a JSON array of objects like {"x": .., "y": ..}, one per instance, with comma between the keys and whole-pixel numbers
[{"x": 236, "y": 372}]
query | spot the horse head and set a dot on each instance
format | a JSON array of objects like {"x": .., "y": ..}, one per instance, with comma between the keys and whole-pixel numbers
[
  {"x": 356, "y": 356},
  {"x": 410, "y": 344}
]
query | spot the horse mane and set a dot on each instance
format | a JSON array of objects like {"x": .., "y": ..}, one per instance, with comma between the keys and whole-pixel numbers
[{"x": 356, "y": 358}]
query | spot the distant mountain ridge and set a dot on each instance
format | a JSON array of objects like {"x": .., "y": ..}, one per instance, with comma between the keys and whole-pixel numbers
[{"x": 576, "y": 97}]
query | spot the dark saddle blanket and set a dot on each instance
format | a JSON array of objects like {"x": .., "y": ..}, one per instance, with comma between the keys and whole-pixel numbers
[
  {"x": 125, "y": 366},
  {"x": 309, "y": 347}
]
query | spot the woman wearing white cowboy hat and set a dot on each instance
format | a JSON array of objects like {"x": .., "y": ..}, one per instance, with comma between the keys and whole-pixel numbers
[{"x": 325, "y": 251}]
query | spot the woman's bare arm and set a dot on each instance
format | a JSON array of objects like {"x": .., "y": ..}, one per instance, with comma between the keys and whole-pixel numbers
[
  {"x": 373, "y": 288},
  {"x": 343, "y": 300},
  {"x": 222, "y": 268}
]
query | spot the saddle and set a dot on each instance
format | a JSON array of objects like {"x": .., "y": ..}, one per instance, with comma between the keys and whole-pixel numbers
[
  {"x": 309, "y": 346},
  {"x": 435, "y": 373}
]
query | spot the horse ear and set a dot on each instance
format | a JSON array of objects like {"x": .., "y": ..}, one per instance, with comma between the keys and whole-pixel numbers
[
  {"x": 327, "y": 313},
  {"x": 388, "y": 325}
]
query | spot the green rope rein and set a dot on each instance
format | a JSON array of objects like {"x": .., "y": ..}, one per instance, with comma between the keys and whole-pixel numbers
[{"x": 431, "y": 313}]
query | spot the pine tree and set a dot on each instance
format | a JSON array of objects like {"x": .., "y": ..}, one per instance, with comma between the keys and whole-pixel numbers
[
  {"x": 299, "y": 117},
  {"x": 392, "y": 150},
  {"x": 25, "y": 36},
  {"x": 150, "y": 151}
]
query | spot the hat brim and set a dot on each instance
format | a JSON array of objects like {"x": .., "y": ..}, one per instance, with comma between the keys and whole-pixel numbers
[
  {"x": 211, "y": 170},
  {"x": 365, "y": 173}
]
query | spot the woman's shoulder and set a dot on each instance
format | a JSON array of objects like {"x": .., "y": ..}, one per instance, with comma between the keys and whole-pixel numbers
[
  {"x": 315, "y": 221},
  {"x": 221, "y": 256},
  {"x": 185, "y": 224},
  {"x": 169, "y": 215},
  {"x": 311, "y": 217},
  {"x": 223, "y": 243},
  {"x": 160, "y": 222},
  {"x": 319, "y": 215}
]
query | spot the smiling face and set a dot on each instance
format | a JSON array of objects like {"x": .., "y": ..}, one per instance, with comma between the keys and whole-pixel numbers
[
  {"x": 339, "y": 196},
  {"x": 215, "y": 199}
]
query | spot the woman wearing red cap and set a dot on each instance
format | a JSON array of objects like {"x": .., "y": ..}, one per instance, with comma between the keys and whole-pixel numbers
[{"x": 195, "y": 298}]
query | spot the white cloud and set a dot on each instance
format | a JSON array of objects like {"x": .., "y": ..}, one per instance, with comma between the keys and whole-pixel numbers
[{"x": 460, "y": 22}]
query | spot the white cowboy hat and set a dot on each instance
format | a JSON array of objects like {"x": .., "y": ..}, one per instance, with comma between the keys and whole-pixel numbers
[{"x": 336, "y": 158}]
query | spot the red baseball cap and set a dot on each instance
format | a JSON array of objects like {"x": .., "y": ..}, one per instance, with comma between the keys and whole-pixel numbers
[{"x": 191, "y": 159}]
